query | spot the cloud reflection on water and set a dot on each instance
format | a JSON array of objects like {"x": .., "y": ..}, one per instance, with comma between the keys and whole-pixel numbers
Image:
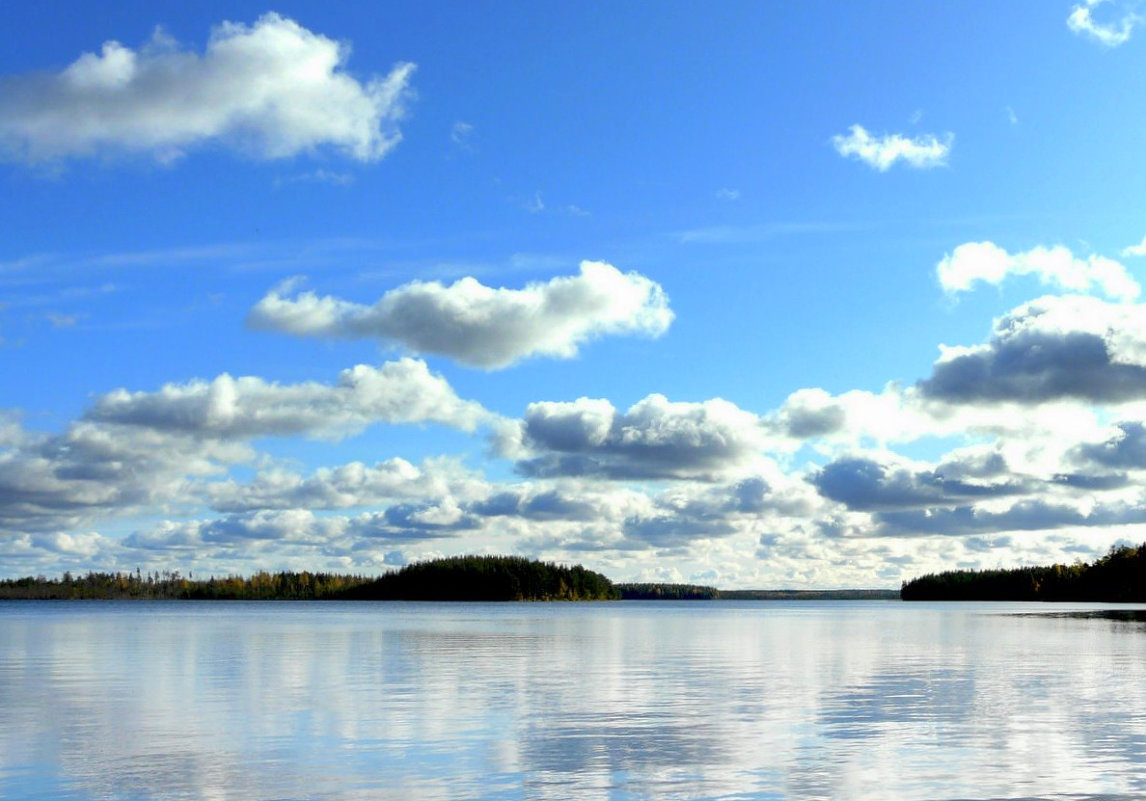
[{"x": 622, "y": 701}]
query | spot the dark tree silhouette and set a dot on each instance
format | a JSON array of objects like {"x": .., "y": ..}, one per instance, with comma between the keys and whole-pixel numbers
[{"x": 1120, "y": 576}]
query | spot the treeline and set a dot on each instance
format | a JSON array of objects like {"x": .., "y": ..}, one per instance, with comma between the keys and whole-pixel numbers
[
  {"x": 171, "y": 585},
  {"x": 667, "y": 592},
  {"x": 809, "y": 595},
  {"x": 1120, "y": 576},
  {"x": 463, "y": 578},
  {"x": 487, "y": 578},
  {"x": 695, "y": 592}
]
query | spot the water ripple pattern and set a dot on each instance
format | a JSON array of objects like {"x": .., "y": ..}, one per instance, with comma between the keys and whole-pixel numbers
[{"x": 617, "y": 701}]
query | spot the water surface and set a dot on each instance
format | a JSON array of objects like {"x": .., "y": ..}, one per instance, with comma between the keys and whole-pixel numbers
[{"x": 629, "y": 700}]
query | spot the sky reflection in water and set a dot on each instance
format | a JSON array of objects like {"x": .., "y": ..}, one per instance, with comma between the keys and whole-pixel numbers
[{"x": 607, "y": 701}]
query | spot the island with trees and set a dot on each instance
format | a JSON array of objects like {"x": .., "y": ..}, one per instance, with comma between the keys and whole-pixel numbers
[
  {"x": 486, "y": 578},
  {"x": 1119, "y": 577}
]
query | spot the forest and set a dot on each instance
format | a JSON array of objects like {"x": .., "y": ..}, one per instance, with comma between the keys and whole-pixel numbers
[
  {"x": 462, "y": 578},
  {"x": 1119, "y": 576},
  {"x": 172, "y": 585}
]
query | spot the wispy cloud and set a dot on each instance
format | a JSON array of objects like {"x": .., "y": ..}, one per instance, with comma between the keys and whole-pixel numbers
[
  {"x": 1107, "y": 34},
  {"x": 461, "y": 134},
  {"x": 59, "y": 320},
  {"x": 882, "y": 152},
  {"x": 317, "y": 177}
]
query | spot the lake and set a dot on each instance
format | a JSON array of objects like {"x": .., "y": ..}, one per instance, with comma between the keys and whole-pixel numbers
[{"x": 624, "y": 700}]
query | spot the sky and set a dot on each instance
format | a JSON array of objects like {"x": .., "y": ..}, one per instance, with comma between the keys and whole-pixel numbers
[{"x": 755, "y": 295}]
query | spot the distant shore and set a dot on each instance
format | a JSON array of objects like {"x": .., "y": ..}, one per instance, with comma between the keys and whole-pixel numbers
[{"x": 466, "y": 578}]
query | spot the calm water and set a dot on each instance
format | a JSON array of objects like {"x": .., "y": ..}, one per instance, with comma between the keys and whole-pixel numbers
[{"x": 784, "y": 700}]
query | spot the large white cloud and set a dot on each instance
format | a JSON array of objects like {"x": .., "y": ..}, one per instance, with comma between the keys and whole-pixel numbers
[
  {"x": 1082, "y": 22},
  {"x": 479, "y": 325},
  {"x": 273, "y": 89},
  {"x": 881, "y": 152},
  {"x": 403, "y": 391},
  {"x": 986, "y": 262}
]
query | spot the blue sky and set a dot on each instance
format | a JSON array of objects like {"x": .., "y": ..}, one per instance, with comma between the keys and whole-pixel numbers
[{"x": 659, "y": 292}]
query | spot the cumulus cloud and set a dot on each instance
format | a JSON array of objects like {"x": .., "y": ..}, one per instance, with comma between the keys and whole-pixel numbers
[
  {"x": 478, "y": 325},
  {"x": 1125, "y": 449},
  {"x": 1036, "y": 514},
  {"x": 344, "y": 486},
  {"x": 684, "y": 514},
  {"x": 1053, "y": 348},
  {"x": 304, "y": 527},
  {"x": 143, "y": 452},
  {"x": 533, "y": 504},
  {"x": 979, "y": 490},
  {"x": 882, "y": 152},
  {"x": 655, "y": 438},
  {"x": 896, "y": 414},
  {"x": 809, "y": 413},
  {"x": 865, "y": 483},
  {"x": 403, "y": 391},
  {"x": 1082, "y": 22},
  {"x": 272, "y": 89},
  {"x": 986, "y": 262},
  {"x": 56, "y": 483}
]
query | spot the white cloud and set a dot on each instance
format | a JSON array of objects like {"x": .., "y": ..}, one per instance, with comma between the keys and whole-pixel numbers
[
  {"x": 861, "y": 419},
  {"x": 142, "y": 453},
  {"x": 986, "y": 262},
  {"x": 1082, "y": 23},
  {"x": 273, "y": 89},
  {"x": 478, "y": 325},
  {"x": 881, "y": 152},
  {"x": 1050, "y": 349},
  {"x": 293, "y": 527},
  {"x": 346, "y": 486},
  {"x": 655, "y": 438},
  {"x": 1135, "y": 250},
  {"x": 888, "y": 482},
  {"x": 52, "y": 483},
  {"x": 403, "y": 391}
]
